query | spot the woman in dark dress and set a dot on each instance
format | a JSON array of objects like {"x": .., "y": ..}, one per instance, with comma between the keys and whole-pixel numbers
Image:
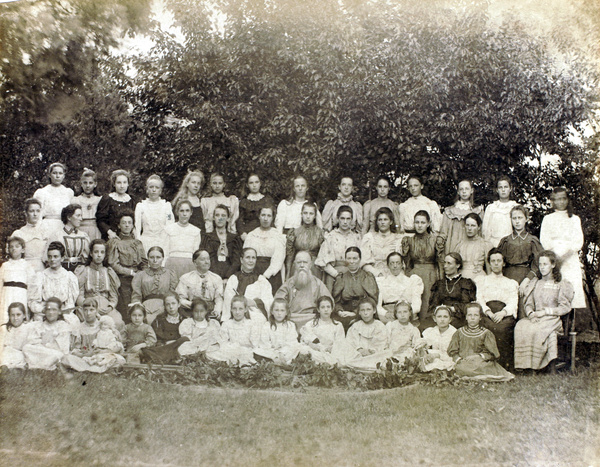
[
  {"x": 250, "y": 207},
  {"x": 111, "y": 206},
  {"x": 224, "y": 247}
]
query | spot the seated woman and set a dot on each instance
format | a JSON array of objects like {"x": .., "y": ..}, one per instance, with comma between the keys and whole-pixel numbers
[
  {"x": 547, "y": 298},
  {"x": 54, "y": 281},
  {"x": 203, "y": 284},
  {"x": 49, "y": 340},
  {"x": 474, "y": 350},
  {"x": 398, "y": 287},
  {"x": 352, "y": 286},
  {"x": 378, "y": 244},
  {"x": 75, "y": 241},
  {"x": 499, "y": 298},
  {"x": 473, "y": 249},
  {"x": 453, "y": 290},
  {"x": 154, "y": 282},
  {"x": 224, "y": 247}
]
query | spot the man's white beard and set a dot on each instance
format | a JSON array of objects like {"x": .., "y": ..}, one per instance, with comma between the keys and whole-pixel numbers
[{"x": 301, "y": 279}]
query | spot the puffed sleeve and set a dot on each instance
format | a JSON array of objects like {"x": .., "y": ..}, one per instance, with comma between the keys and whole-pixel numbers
[
  {"x": 468, "y": 294},
  {"x": 280, "y": 217},
  {"x": 73, "y": 291},
  {"x": 228, "y": 294},
  {"x": 136, "y": 287},
  {"x": 235, "y": 213},
  {"x": 536, "y": 249},
  {"x": 366, "y": 249},
  {"x": 454, "y": 347},
  {"x": 337, "y": 289},
  {"x": 113, "y": 287},
  {"x": 139, "y": 211},
  {"x": 290, "y": 249},
  {"x": 328, "y": 215},
  {"x": 103, "y": 215},
  {"x": 489, "y": 342},
  {"x": 185, "y": 328},
  {"x": 564, "y": 299},
  {"x": 434, "y": 298},
  {"x": 370, "y": 286},
  {"x": 416, "y": 284},
  {"x": 150, "y": 336},
  {"x": 278, "y": 256},
  {"x": 114, "y": 259}
]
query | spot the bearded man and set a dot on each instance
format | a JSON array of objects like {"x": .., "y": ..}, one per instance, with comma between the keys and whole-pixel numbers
[{"x": 302, "y": 290}]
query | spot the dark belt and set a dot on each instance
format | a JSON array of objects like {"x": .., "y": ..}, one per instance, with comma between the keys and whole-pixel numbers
[
  {"x": 22, "y": 285},
  {"x": 388, "y": 303},
  {"x": 410, "y": 231},
  {"x": 154, "y": 295}
]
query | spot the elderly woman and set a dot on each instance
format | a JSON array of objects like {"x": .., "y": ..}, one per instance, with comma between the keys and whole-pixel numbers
[
  {"x": 75, "y": 241},
  {"x": 378, "y": 244},
  {"x": 398, "y": 287},
  {"x": 224, "y": 247},
  {"x": 547, "y": 298},
  {"x": 350, "y": 287},
  {"x": 54, "y": 281},
  {"x": 453, "y": 290},
  {"x": 150, "y": 285}
]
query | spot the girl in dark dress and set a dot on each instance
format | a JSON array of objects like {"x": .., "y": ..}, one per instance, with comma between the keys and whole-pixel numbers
[
  {"x": 224, "y": 247},
  {"x": 250, "y": 207},
  {"x": 190, "y": 191},
  {"x": 308, "y": 237},
  {"x": 111, "y": 206}
]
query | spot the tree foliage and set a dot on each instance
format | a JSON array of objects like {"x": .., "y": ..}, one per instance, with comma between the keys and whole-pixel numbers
[{"x": 445, "y": 89}]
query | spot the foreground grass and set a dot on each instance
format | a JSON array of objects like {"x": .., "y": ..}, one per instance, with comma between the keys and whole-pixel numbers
[{"x": 49, "y": 420}]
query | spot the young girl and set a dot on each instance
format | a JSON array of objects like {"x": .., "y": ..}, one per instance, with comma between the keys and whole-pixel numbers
[
  {"x": 54, "y": 197},
  {"x": 166, "y": 327},
  {"x": 378, "y": 244},
  {"x": 224, "y": 247},
  {"x": 520, "y": 250},
  {"x": 15, "y": 337},
  {"x": 307, "y": 237},
  {"x": 251, "y": 205},
  {"x": 203, "y": 333},
  {"x": 323, "y": 335},
  {"x": 112, "y": 205},
  {"x": 137, "y": 335},
  {"x": 403, "y": 337},
  {"x": 382, "y": 201},
  {"x": 152, "y": 215},
  {"x": 424, "y": 256},
  {"x": 34, "y": 235},
  {"x": 452, "y": 228},
  {"x": 473, "y": 249},
  {"x": 189, "y": 191},
  {"x": 278, "y": 336},
  {"x": 417, "y": 202},
  {"x": 438, "y": 339},
  {"x": 366, "y": 340},
  {"x": 126, "y": 256},
  {"x": 16, "y": 275},
  {"x": 547, "y": 298},
  {"x": 239, "y": 335},
  {"x": 561, "y": 232},
  {"x": 48, "y": 340},
  {"x": 100, "y": 281},
  {"x": 183, "y": 239},
  {"x": 88, "y": 200},
  {"x": 496, "y": 220},
  {"x": 289, "y": 211},
  {"x": 216, "y": 197},
  {"x": 474, "y": 350}
]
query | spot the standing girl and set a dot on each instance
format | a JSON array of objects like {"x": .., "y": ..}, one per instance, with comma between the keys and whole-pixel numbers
[
  {"x": 153, "y": 215},
  {"x": 279, "y": 337},
  {"x": 453, "y": 228},
  {"x": 183, "y": 239},
  {"x": 251, "y": 205},
  {"x": 323, "y": 335},
  {"x": 54, "y": 197},
  {"x": 190, "y": 191},
  {"x": 382, "y": 201},
  {"x": 377, "y": 245},
  {"x": 126, "y": 256},
  {"x": 15, "y": 337},
  {"x": 307, "y": 237},
  {"x": 88, "y": 200},
  {"x": 289, "y": 211},
  {"x": 417, "y": 202},
  {"x": 203, "y": 333},
  {"x": 473, "y": 249},
  {"x": 16, "y": 275},
  {"x": 497, "y": 221},
  {"x": 34, "y": 235},
  {"x": 224, "y": 247},
  {"x": 99, "y": 280},
  {"x": 216, "y": 197},
  {"x": 112, "y": 205}
]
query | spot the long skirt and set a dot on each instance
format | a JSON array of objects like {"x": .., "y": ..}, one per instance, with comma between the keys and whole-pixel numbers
[
  {"x": 536, "y": 342},
  {"x": 340, "y": 266},
  {"x": 13, "y": 358},
  {"x": 429, "y": 274},
  {"x": 125, "y": 291},
  {"x": 503, "y": 332},
  {"x": 262, "y": 264},
  {"x": 98, "y": 363},
  {"x": 474, "y": 367},
  {"x": 518, "y": 273},
  {"x": 40, "y": 356},
  {"x": 164, "y": 354}
]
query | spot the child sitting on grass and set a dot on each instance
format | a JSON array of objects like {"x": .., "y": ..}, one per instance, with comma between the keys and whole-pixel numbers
[
  {"x": 278, "y": 336},
  {"x": 403, "y": 336},
  {"x": 203, "y": 333},
  {"x": 438, "y": 339},
  {"x": 323, "y": 335},
  {"x": 474, "y": 349},
  {"x": 15, "y": 337},
  {"x": 239, "y": 335},
  {"x": 137, "y": 334}
]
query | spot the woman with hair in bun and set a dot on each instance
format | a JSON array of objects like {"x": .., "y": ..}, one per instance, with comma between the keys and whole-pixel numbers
[{"x": 54, "y": 197}]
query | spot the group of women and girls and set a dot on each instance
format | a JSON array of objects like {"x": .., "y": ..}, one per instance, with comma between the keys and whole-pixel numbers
[{"x": 92, "y": 281}]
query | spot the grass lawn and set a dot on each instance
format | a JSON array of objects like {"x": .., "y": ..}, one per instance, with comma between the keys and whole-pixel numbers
[{"x": 534, "y": 420}]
